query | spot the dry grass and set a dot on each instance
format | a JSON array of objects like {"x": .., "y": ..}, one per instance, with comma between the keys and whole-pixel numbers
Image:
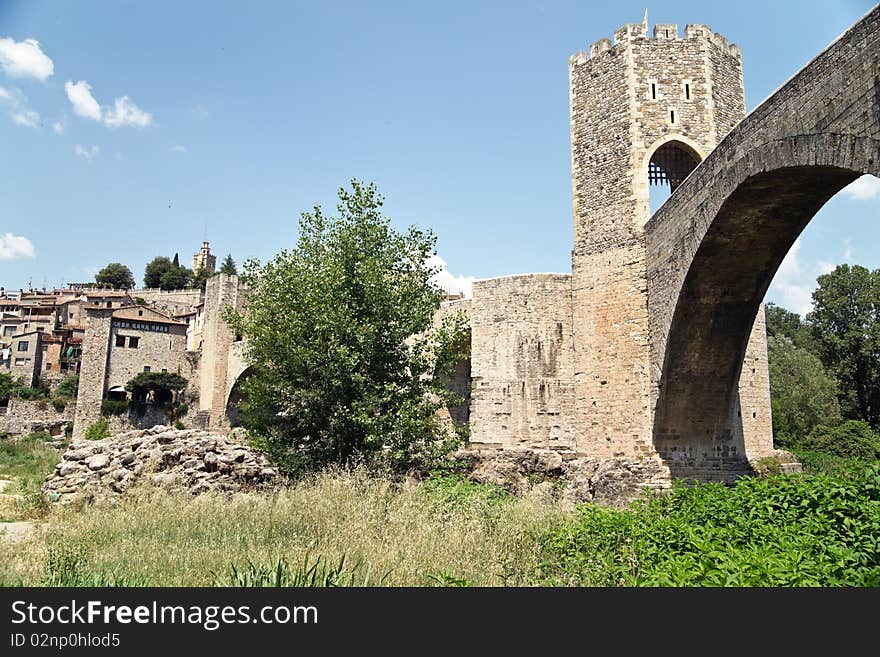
[{"x": 403, "y": 535}]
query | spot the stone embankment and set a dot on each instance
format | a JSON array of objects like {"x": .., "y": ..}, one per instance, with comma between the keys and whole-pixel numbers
[
  {"x": 574, "y": 478},
  {"x": 197, "y": 461}
]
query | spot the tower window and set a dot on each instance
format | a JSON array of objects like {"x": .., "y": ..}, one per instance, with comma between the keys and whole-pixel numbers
[
  {"x": 653, "y": 91},
  {"x": 687, "y": 91},
  {"x": 672, "y": 116}
]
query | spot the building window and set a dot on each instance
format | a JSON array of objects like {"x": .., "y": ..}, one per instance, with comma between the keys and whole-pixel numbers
[
  {"x": 140, "y": 313},
  {"x": 120, "y": 340},
  {"x": 653, "y": 91},
  {"x": 146, "y": 368},
  {"x": 672, "y": 116},
  {"x": 133, "y": 342},
  {"x": 22, "y": 361},
  {"x": 109, "y": 304},
  {"x": 687, "y": 91},
  {"x": 71, "y": 315},
  {"x": 23, "y": 345}
]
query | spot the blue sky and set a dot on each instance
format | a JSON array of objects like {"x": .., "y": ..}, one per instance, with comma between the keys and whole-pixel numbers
[{"x": 133, "y": 129}]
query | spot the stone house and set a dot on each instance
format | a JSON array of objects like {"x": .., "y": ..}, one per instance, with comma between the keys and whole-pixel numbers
[{"x": 22, "y": 356}]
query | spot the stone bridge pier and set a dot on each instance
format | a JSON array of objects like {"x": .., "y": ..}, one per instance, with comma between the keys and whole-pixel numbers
[
  {"x": 715, "y": 245},
  {"x": 668, "y": 337}
]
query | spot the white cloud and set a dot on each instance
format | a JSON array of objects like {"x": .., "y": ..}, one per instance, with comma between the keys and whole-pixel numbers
[
  {"x": 60, "y": 126},
  {"x": 179, "y": 149},
  {"x": 80, "y": 96},
  {"x": 123, "y": 113},
  {"x": 18, "y": 112},
  {"x": 795, "y": 280},
  {"x": 24, "y": 59},
  {"x": 15, "y": 246},
  {"x": 795, "y": 293},
  {"x": 87, "y": 153},
  {"x": 864, "y": 188},
  {"x": 27, "y": 118},
  {"x": 447, "y": 280}
]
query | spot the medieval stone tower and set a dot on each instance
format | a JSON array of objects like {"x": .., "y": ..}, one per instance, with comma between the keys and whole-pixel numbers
[{"x": 644, "y": 110}]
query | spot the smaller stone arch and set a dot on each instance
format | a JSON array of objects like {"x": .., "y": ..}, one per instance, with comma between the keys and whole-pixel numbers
[
  {"x": 235, "y": 397},
  {"x": 669, "y": 159}
]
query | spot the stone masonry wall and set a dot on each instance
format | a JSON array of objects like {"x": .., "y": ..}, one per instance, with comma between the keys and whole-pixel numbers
[
  {"x": 156, "y": 350},
  {"x": 171, "y": 302},
  {"x": 522, "y": 389},
  {"x": 22, "y": 417},
  {"x": 93, "y": 369},
  {"x": 628, "y": 98},
  {"x": 217, "y": 340}
]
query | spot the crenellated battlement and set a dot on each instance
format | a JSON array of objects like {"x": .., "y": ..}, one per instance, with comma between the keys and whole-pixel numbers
[{"x": 662, "y": 32}]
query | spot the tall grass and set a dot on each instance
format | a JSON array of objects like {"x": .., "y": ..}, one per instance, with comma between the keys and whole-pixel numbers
[{"x": 358, "y": 528}]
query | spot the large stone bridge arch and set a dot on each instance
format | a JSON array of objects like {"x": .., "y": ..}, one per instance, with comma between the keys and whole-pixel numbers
[{"x": 714, "y": 246}]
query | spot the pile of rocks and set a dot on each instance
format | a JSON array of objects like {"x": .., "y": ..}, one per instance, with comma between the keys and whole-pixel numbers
[
  {"x": 611, "y": 482},
  {"x": 197, "y": 461}
]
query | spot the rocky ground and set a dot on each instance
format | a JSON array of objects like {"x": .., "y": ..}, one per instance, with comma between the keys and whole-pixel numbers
[
  {"x": 198, "y": 461},
  {"x": 611, "y": 482}
]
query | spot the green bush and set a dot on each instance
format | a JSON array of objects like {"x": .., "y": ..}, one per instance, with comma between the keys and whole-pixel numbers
[
  {"x": 30, "y": 394},
  {"x": 852, "y": 439},
  {"x": 788, "y": 530},
  {"x": 58, "y": 404},
  {"x": 68, "y": 386},
  {"x": 181, "y": 410},
  {"x": 114, "y": 406},
  {"x": 98, "y": 430}
]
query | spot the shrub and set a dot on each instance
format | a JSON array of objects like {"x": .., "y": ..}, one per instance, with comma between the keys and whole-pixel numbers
[
  {"x": 852, "y": 439},
  {"x": 114, "y": 406},
  {"x": 98, "y": 430},
  {"x": 179, "y": 425},
  {"x": 68, "y": 386},
  {"x": 58, "y": 404},
  {"x": 787, "y": 530},
  {"x": 30, "y": 394}
]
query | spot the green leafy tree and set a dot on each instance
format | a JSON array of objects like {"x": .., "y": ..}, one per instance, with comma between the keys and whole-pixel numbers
[
  {"x": 228, "y": 265},
  {"x": 852, "y": 439},
  {"x": 803, "y": 395},
  {"x": 340, "y": 332},
  {"x": 782, "y": 322},
  {"x": 9, "y": 385},
  {"x": 115, "y": 275},
  {"x": 162, "y": 384},
  {"x": 846, "y": 326},
  {"x": 167, "y": 274},
  {"x": 199, "y": 279},
  {"x": 177, "y": 278},
  {"x": 154, "y": 270}
]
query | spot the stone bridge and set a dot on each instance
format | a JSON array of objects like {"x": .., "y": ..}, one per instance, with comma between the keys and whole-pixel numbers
[{"x": 715, "y": 245}]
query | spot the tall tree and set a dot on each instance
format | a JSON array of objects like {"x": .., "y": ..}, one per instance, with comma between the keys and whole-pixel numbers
[
  {"x": 162, "y": 273},
  {"x": 228, "y": 265},
  {"x": 803, "y": 394},
  {"x": 115, "y": 275},
  {"x": 782, "y": 322},
  {"x": 154, "y": 270},
  {"x": 337, "y": 329},
  {"x": 846, "y": 326}
]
